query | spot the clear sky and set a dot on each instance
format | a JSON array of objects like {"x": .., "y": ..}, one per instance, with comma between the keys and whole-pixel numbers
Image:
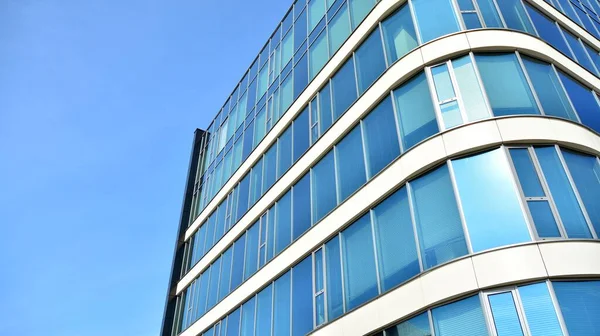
[{"x": 98, "y": 103}]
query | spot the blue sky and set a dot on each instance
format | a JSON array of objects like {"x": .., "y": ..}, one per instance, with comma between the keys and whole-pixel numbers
[{"x": 98, "y": 103}]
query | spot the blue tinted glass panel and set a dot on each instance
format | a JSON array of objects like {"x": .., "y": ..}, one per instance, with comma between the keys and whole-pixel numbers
[
  {"x": 215, "y": 271},
  {"x": 515, "y": 16},
  {"x": 263, "y": 311},
  {"x": 360, "y": 275},
  {"x": 270, "y": 173},
  {"x": 210, "y": 332},
  {"x": 287, "y": 93},
  {"x": 505, "y": 84},
  {"x": 562, "y": 193},
  {"x": 316, "y": 10},
  {"x": 350, "y": 163},
  {"x": 283, "y": 225},
  {"x": 259, "y": 126},
  {"x": 251, "y": 257},
  {"x": 343, "y": 85},
  {"x": 333, "y": 271},
  {"x": 202, "y": 293},
  {"x": 504, "y": 312},
  {"x": 302, "y": 294},
  {"x": 585, "y": 171},
  {"x": 284, "y": 152},
  {"x": 220, "y": 225},
  {"x": 443, "y": 83},
  {"x": 242, "y": 202},
  {"x": 489, "y": 13},
  {"x": 339, "y": 28},
  {"x": 233, "y": 323},
  {"x": 416, "y": 326},
  {"x": 381, "y": 137},
  {"x": 282, "y": 305},
  {"x": 399, "y": 34},
  {"x": 238, "y": 262},
  {"x": 468, "y": 84},
  {"x": 471, "y": 20},
  {"x": 415, "y": 111},
  {"x": 528, "y": 177},
  {"x": 548, "y": 31},
  {"x": 441, "y": 235},
  {"x": 359, "y": 9},
  {"x": 579, "y": 51},
  {"x": 225, "y": 273},
  {"x": 549, "y": 90},
  {"x": 301, "y": 207},
  {"x": 325, "y": 112},
  {"x": 210, "y": 231},
  {"x": 323, "y": 187},
  {"x": 483, "y": 182},
  {"x": 539, "y": 310},
  {"x": 580, "y": 306},
  {"x": 395, "y": 240},
  {"x": 370, "y": 62},
  {"x": 460, "y": 318},
  {"x": 300, "y": 30},
  {"x": 248, "y": 313},
  {"x": 584, "y": 102},
  {"x": 318, "y": 54},
  {"x": 301, "y": 134},
  {"x": 542, "y": 216},
  {"x": 435, "y": 23},
  {"x": 256, "y": 182},
  {"x": 300, "y": 75}
]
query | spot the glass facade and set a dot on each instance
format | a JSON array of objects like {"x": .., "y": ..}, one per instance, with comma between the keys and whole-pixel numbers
[{"x": 445, "y": 212}]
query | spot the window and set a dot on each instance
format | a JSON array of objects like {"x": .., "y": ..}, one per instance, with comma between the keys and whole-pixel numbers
[
  {"x": 441, "y": 236},
  {"x": 251, "y": 256},
  {"x": 256, "y": 182},
  {"x": 468, "y": 85},
  {"x": 319, "y": 54},
  {"x": 238, "y": 262},
  {"x": 316, "y": 10},
  {"x": 549, "y": 31},
  {"x": 585, "y": 171},
  {"x": 399, "y": 34},
  {"x": 395, "y": 240},
  {"x": 302, "y": 304},
  {"x": 333, "y": 284},
  {"x": 284, "y": 152},
  {"x": 360, "y": 274},
  {"x": 563, "y": 195},
  {"x": 270, "y": 168},
  {"x": 539, "y": 310},
  {"x": 504, "y": 313},
  {"x": 505, "y": 84},
  {"x": 343, "y": 85},
  {"x": 350, "y": 163},
  {"x": 325, "y": 112},
  {"x": 287, "y": 93},
  {"x": 319, "y": 287},
  {"x": 550, "y": 92},
  {"x": 300, "y": 75},
  {"x": 370, "y": 62},
  {"x": 584, "y": 102},
  {"x": 264, "y": 307},
  {"x": 381, "y": 137},
  {"x": 323, "y": 187},
  {"x": 359, "y": 9},
  {"x": 301, "y": 206},
  {"x": 233, "y": 323},
  {"x": 248, "y": 140},
  {"x": 242, "y": 204},
  {"x": 225, "y": 273},
  {"x": 287, "y": 48},
  {"x": 215, "y": 271},
  {"x": 282, "y": 305},
  {"x": 300, "y": 29},
  {"x": 416, "y": 326},
  {"x": 464, "y": 317},
  {"x": 435, "y": 23},
  {"x": 259, "y": 127},
  {"x": 580, "y": 306},
  {"x": 484, "y": 182},
  {"x": 248, "y": 313},
  {"x": 535, "y": 194},
  {"x": 283, "y": 225},
  {"x": 339, "y": 28},
  {"x": 415, "y": 111},
  {"x": 579, "y": 51},
  {"x": 446, "y": 96},
  {"x": 515, "y": 15},
  {"x": 301, "y": 134}
]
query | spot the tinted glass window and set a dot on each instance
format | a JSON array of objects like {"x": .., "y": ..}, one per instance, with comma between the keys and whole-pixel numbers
[
  {"x": 441, "y": 236},
  {"x": 504, "y": 313},
  {"x": 515, "y": 16},
  {"x": 584, "y": 102},
  {"x": 483, "y": 182},
  {"x": 470, "y": 90},
  {"x": 395, "y": 240},
  {"x": 284, "y": 152},
  {"x": 350, "y": 163},
  {"x": 415, "y": 111},
  {"x": 323, "y": 187},
  {"x": 360, "y": 276},
  {"x": 282, "y": 305},
  {"x": 359, "y": 9},
  {"x": 264, "y": 306},
  {"x": 343, "y": 85},
  {"x": 370, "y": 62},
  {"x": 333, "y": 271},
  {"x": 251, "y": 258},
  {"x": 416, "y": 326},
  {"x": 339, "y": 28},
  {"x": 435, "y": 23},
  {"x": 539, "y": 310},
  {"x": 238, "y": 262},
  {"x": 381, "y": 137},
  {"x": 505, "y": 84},
  {"x": 580, "y": 306},
  {"x": 585, "y": 171},
  {"x": 548, "y": 31},
  {"x": 248, "y": 313},
  {"x": 463, "y": 317},
  {"x": 301, "y": 212},
  {"x": 283, "y": 225},
  {"x": 302, "y": 308},
  {"x": 301, "y": 134},
  {"x": 399, "y": 34},
  {"x": 318, "y": 54}
]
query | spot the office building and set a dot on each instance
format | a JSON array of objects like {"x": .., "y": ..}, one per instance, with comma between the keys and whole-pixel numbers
[{"x": 401, "y": 167}]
